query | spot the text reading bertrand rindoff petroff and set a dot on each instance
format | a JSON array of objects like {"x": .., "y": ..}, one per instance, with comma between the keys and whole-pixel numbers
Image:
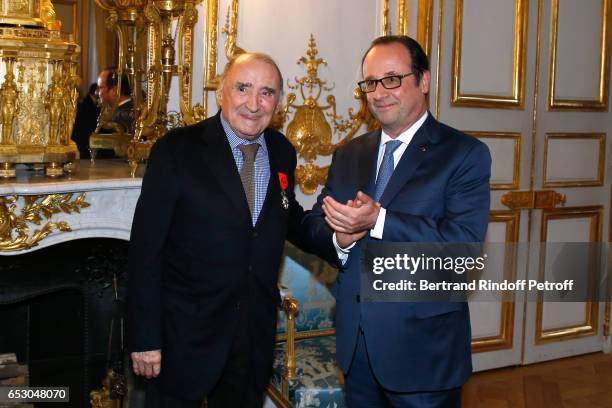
[
  {"x": 457, "y": 265},
  {"x": 456, "y": 272}
]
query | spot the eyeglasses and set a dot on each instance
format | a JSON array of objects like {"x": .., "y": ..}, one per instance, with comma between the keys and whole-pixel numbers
[{"x": 388, "y": 82}]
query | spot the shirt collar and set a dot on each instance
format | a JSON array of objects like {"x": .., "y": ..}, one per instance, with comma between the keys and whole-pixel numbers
[
  {"x": 406, "y": 136},
  {"x": 235, "y": 141}
]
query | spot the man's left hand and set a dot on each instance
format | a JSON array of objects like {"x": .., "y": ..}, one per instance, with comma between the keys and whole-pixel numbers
[{"x": 351, "y": 219}]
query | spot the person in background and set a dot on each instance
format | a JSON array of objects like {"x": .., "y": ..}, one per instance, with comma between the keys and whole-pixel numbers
[
  {"x": 86, "y": 120},
  {"x": 109, "y": 94}
]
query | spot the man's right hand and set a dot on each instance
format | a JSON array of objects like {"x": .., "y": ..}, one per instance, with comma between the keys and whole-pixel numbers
[
  {"x": 353, "y": 217},
  {"x": 345, "y": 240},
  {"x": 147, "y": 363}
]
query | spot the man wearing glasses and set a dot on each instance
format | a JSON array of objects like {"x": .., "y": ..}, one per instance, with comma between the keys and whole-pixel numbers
[
  {"x": 414, "y": 180},
  {"x": 120, "y": 101}
]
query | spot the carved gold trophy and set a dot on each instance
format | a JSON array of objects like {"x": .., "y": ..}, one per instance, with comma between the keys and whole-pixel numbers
[{"x": 38, "y": 88}]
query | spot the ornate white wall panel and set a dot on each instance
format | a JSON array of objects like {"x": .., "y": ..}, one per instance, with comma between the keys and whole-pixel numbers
[
  {"x": 574, "y": 159},
  {"x": 496, "y": 232},
  {"x": 486, "y": 319},
  {"x": 505, "y": 148},
  {"x": 569, "y": 230},
  {"x": 487, "y": 47},
  {"x": 496, "y": 325},
  {"x": 289, "y": 25},
  {"x": 559, "y": 321},
  {"x": 578, "y": 50},
  {"x": 560, "y": 315},
  {"x": 579, "y": 55},
  {"x": 486, "y": 316},
  {"x": 489, "y": 53}
]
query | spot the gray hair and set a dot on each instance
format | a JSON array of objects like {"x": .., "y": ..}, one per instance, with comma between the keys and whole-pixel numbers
[{"x": 258, "y": 56}]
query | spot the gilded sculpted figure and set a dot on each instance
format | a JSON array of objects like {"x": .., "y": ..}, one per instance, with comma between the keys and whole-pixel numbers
[
  {"x": 72, "y": 94},
  {"x": 8, "y": 97},
  {"x": 37, "y": 92},
  {"x": 47, "y": 14},
  {"x": 31, "y": 113},
  {"x": 55, "y": 105}
]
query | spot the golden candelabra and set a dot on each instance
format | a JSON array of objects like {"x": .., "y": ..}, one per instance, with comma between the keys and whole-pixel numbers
[
  {"x": 126, "y": 20},
  {"x": 38, "y": 88},
  {"x": 155, "y": 44}
]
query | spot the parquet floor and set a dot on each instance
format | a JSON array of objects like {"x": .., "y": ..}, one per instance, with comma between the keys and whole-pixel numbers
[{"x": 575, "y": 382}]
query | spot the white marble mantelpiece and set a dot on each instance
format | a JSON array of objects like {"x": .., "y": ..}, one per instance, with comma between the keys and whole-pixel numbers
[{"x": 108, "y": 188}]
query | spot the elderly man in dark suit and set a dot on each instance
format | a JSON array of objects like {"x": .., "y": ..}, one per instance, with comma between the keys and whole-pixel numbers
[
  {"x": 414, "y": 180},
  {"x": 216, "y": 206}
]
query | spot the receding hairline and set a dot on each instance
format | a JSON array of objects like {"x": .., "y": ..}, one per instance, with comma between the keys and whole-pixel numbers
[
  {"x": 382, "y": 45},
  {"x": 418, "y": 60},
  {"x": 252, "y": 56}
]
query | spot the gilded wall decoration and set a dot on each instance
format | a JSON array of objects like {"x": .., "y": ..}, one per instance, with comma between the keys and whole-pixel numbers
[
  {"x": 231, "y": 31},
  {"x": 155, "y": 44},
  {"x": 15, "y": 223},
  {"x": 114, "y": 388},
  {"x": 309, "y": 130},
  {"x": 386, "y": 27},
  {"x": 211, "y": 79}
]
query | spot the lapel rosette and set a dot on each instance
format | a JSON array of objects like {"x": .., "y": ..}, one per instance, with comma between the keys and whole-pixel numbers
[{"x": 284, "y": 183}]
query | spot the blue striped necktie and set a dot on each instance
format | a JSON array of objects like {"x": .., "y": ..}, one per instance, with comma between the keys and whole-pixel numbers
[{"x": 386, "y": 168}]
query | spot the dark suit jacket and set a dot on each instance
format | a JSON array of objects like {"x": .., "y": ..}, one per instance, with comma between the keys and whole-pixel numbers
[
  {"x": 439, "y": 192},
  {"x": 85, "y": 123},
  {"x": 196, "y": 262}
]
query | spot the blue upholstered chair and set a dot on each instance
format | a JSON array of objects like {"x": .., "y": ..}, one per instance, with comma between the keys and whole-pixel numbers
[{"x": 305, "y": 373}]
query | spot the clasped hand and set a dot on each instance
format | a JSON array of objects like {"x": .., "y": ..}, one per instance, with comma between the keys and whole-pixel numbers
[
  {"x": 147, "y": 363},
  {"x": 351, "y": 221}
]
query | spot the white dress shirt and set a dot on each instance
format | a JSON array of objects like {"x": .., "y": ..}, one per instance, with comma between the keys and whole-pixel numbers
[{"x": 405, "y": 137}]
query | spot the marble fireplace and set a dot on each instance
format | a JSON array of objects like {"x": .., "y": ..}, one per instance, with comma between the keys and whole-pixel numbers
[{"x": 63, "y": 258}]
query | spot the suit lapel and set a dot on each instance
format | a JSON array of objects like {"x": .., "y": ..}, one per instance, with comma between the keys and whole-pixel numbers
[
  {"x": 220, "y": 160},
  {"x": 273, "y": 189},
  {"x": 367, "y": 162},
  {"x": 422, "y": 142}
]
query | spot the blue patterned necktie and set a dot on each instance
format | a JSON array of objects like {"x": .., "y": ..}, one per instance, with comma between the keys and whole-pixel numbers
[{"x": 386, "y": 168}]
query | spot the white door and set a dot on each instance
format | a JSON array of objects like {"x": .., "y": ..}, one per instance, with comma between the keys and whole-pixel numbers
[{"x": 539, "y": 99}]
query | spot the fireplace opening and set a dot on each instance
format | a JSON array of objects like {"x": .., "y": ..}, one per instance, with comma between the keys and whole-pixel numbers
[{"x": 57, "y": 306}]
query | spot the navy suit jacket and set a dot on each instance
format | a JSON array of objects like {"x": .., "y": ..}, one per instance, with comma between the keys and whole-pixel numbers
[
  {"x": 197, "y": 263},
  {"x": 439, "y": 192}
]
